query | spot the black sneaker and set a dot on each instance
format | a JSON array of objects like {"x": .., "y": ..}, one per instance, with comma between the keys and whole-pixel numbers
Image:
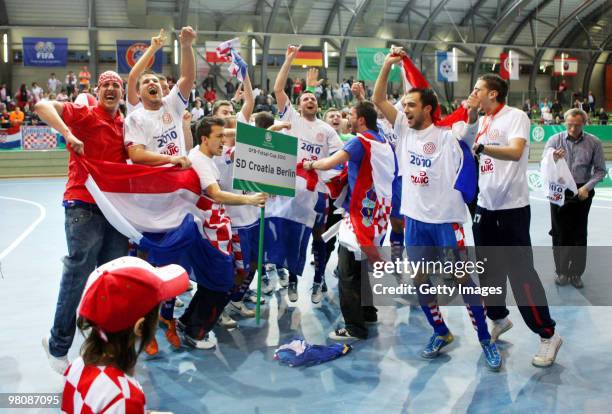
[
  {"x": 342, "y": 334},
  {"x": 324, "y": 287}
]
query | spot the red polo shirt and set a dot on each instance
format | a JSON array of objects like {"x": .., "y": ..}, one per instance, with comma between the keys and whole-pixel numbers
[{"x": 102, "y": 136}]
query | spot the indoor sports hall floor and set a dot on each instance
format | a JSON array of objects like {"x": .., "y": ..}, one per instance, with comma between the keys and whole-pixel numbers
[{"x": 382, "y": 375}]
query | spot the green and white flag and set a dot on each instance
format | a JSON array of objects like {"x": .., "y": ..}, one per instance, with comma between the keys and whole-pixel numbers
[
  {"x": 264, "y": 161},
  {"x": 370, "y": 61}
]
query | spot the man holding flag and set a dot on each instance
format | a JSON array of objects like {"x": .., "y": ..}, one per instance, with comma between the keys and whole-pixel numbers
[
  {"x": 213, "y": 290},
  {"x": 431, "y": 160},
  {"x": 96, "y": 131},
  {"x": 370, "y": 182},
  {"x": 296, "y": 216},
  {"x": 154, "y": 135}
]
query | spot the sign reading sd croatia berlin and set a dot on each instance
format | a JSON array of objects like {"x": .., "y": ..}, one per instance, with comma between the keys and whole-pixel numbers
[{"x": 264, "y": 161}]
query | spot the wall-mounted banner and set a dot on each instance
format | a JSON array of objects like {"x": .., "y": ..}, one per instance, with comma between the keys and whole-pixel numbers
[
  {"x": 38, "y": 138},
  {"x": 369, "y": 63},
  {"x": 45, "y": 51},
  {"x": 509, "y": 66},
  {"x": 446, "y": 62},
  {"x": 129, "y": 51}
]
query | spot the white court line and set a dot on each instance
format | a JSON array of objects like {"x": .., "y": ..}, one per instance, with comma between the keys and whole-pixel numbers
[
  {"x": 31, "y": 227},
  {"x": 592, "y": 205}
]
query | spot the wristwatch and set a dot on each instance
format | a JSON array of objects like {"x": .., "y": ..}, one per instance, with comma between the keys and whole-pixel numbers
[{"x": 479, "y": 149}]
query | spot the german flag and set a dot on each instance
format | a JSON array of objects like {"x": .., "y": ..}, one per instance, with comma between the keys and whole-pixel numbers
[{"x": 309, "y": 56}]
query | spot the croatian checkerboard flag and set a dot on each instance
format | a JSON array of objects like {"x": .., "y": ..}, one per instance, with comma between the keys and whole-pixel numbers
[
  {"x": 365, "y": 227},
  {"x": 229, "y": 49},
  {"x": 161, "y": 209}
]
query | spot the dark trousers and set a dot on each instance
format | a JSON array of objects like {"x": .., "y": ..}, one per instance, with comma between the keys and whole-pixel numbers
[
  {"x": 331, "y": 220},
  {"x": 514, "y": 261},
  {"x": 92, "y": 242},
  {"x": 350, "y": 289},
  {"x": 569, "y": 235},
  {"x": 203, "y": 311}
]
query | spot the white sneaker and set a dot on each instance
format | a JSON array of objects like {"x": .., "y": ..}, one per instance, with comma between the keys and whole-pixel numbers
[
  {"x": 292, "y": 292},
  {"x": 283, "y": 278},
  {"x": 208, "y": 342},
  {"x": 548, "y": 351},
  {"x": 241, "y": 308},
  {"x": 226, "y": 321},
  {"x": 342, "y": 334},
  {"x": 59, "y": 365},
  {"x": 499, "y": 327},
  {"x": 178, "y": 303},
  {"x": 317, "y": 293}
]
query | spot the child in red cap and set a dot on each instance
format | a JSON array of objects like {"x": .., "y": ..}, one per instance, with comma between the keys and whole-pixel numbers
[{"x": 118, "y": 314}]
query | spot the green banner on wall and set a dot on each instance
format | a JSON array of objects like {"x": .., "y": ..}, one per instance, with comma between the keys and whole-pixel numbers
[
  {"x": 541, "y": 133},
  {"x": 370, "y": 61}
]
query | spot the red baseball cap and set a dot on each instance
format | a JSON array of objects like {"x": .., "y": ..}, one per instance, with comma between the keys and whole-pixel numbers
[{"x": 124, "y": 290}]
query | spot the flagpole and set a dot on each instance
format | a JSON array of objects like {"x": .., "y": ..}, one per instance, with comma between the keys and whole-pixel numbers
[{"x": 260, "y": 264}]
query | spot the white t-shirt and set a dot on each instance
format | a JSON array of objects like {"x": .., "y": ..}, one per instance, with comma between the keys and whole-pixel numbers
[
  {"x": 37, "y": 92},
  {"x": 197, "y": 113},
  {"x": 428, "y": 162},
  {"x": 243, "y": 215},
  {"x": 160, "y": 131},
  {"x": 503, "y": 184},
  {"x": 316, "y": 139},
  {"x": 205, "y": 168},
  {"x": 53, "y": 84},
  {"x": 129, "y": 108}
]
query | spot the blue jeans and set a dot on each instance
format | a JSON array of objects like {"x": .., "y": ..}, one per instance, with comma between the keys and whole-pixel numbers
[{"x": 92, "y": 241}]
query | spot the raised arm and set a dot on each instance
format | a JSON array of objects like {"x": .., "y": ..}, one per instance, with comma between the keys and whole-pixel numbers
[
  {"x": 188, "y": 71},
  {"x": 248, "y": 101},
  {"x": 157, "y": 42},
  {"x": 281, "y": 78},
  {"x": 50, "y": 112},
  {"x": 379, "y": 97}
]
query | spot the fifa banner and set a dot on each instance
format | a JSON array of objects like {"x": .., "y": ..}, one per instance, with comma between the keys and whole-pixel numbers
[
  {"x": 446, "y": 62},
  {"x": 45, "y": 51},
  {"x": 509, "y": 66},
  {"x": 565, "y": 66},
  {"x": 264, "y": 161},
  {"x": 35, "y": 138},
  {"x": 370, "y": 61},
  {"x": 129, "y": 51}
]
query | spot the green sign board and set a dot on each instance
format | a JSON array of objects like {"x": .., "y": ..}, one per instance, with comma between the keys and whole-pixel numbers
[
  {"x": 264, "y": 161},
  {"x": 369, "y": 64},
  {"x": 541, "y": 133}
]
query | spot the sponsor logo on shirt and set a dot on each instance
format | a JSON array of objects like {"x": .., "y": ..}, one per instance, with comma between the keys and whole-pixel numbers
[
  {"x": 555, "y": 193},
  {"x": 422, "y": 179},
  {"x": 487, "y": 167},
  {"x": 171, "y": 149},
  {"x": 320, "y": 137}
]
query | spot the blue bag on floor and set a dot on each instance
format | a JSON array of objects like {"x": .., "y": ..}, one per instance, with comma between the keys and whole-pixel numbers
[{"x": 299, "y": 353}]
